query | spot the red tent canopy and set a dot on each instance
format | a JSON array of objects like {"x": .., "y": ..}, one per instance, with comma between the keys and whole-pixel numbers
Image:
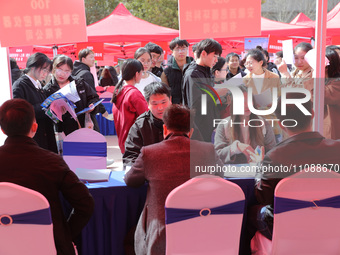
[
  {"x": 122, "y": 26},
  {"x": 271, "y": 27},
  {"x": 302, "y": 20},
  {"x": 333, "y": 21}
]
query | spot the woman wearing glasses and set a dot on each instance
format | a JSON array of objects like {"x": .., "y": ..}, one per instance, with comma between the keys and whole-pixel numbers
[
  {"x": 61, "y": 76},
  {"x": 29, "y": 87},
  {"x": 143, "y": 55}
]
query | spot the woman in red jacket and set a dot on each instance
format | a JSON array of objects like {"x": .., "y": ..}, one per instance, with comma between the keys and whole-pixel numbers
[{"x": 128, "y": 101}]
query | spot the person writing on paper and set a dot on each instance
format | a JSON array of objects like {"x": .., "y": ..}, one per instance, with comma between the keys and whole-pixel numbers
[
  {"x": 302, "y": 76},
  {"x": 61, "y": 77},
  {"x": 28, "y": 87},
  {"x": 144, "y": 56},
  {"x": 234, "y": 143},
  {"x": 24, "y": 163},
  {"x": 260, "y": 80},
  {"x": 128, "y": 101}
]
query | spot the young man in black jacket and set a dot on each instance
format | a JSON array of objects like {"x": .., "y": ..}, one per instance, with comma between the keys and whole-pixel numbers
[
  {"x": 173, "y": 74},
  {"x": 148, "y": 128},
  {"x": 198, "y": 92}
]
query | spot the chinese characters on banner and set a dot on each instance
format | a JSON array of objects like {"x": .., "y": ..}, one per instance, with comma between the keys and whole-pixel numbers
[
  {"x": 219, "y": 18},
  {"x": 21, "y": 54},
  {"x": 42, "y": 22},
  {"x": 97, "y": 48}
]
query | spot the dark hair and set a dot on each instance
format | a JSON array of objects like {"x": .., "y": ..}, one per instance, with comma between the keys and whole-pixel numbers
[
  {"x": 38, "y": 60},
  {"x": 194, "y": 47},
  {"x": 279, "y": 54},
  {"x": 129, "y": 69},
  {"x": 209, "y": 46},
  {"x": 140, "y": 51},
  {"x": 178, "y": 118},
  {"x": 264, "y": 52},
  {"x": 230, "y": 55},
  {"x": 177, "y": 41},
  {"x": 333, "y": 69},
  {"x": 152, "y": 47},
  {"x": 293, "y": 112},
  {"x": 255, "y": 133},
  {"x": 257, "y": 55},
  {"x": 304, "y": 46},
  {"x": 13, "y": 63},
  {"x": 156, "y": 88},
  {"x": 108, "y": 77},
  {"x": 218, "y": 66},
  {"x": 83, "y": 53},
  {"x": 334, "y": 47},
  {"x": 16, "y": 117},
  {"x": 60, "y": 60}
]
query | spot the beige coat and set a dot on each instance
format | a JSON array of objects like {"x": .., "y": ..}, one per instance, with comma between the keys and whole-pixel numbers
[{"x": 271, "y": 80}]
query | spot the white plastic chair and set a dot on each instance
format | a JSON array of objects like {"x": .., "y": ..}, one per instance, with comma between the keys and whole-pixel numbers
[
  {"x": 85, "y": 148},
  {"x": 18, "y": 237},
  {"x": 312, "y": 230},
  {"x": 212, "y": 234}
]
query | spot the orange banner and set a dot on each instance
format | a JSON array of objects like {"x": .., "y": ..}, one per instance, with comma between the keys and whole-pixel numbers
[
  {"x": 42, "y": 22},
  {"x": 97, "y": 48},
  {"x": 219, "y": 18}
]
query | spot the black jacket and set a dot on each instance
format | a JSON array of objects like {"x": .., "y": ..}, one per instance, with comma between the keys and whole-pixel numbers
[
  {"x": 25, "y": 164},
  {"x": 87, "y": 96},
  {"x": 197, "y": 81},
  {"x": 81, "y": 70},
  {"x": 174, "y": 76},
  {"x": 239, "y": 70},
  {"x": 145, "y": 131},
  {"x": 25, "y": 89}
]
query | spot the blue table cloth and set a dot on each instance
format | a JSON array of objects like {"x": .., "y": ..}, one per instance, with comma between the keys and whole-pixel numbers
[
  {"x": 106, "y": 126},
  {"x": 117, "y": 210}
]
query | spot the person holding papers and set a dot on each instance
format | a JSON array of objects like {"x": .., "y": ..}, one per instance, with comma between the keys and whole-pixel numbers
[
  {"x": 28, "y": 87},
  {"x": 234, "y": 141},
  {"x": 128, "y": 101},
  {"x": 302, "y": 76},
  {"x": 61, "y": 77},
  {"x": 262, "y": 83}
]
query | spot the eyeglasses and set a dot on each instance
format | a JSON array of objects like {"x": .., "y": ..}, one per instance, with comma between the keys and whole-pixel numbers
[
  {"x": 248, "y": 64},
  {"x": 144, "y": 61},
  {"x": 181, "y": 49},
  {"x": 224, "y": 70},
  {"x": 45, "y": 70},
  {"x": 59, "y": 71}
]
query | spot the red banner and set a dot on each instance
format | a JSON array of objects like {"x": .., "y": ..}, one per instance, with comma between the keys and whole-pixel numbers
[
  {"x": 32, "y": 22},
  {"x": 219, "y": 18},
  {"x": 275, "y": 43},
  {"x": 97, "y": 48},
  {"x": 21, "y": 54}
]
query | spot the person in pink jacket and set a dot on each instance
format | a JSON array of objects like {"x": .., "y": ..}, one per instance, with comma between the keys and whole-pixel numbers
[{"x": 128, "y": 101}]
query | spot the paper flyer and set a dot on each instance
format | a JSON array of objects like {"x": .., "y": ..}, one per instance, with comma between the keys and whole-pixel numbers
[{"x": 90, "y": 108}]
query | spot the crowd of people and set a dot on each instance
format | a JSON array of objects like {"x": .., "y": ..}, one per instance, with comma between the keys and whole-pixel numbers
[{"x": 165, "y": 119}]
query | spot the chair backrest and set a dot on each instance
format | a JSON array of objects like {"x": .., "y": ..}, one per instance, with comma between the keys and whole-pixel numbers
[
  {"x": 313, "y": 229},
  {"x": 31, "y": 235},
  {"x": 213, "y": 234},
  {"x": 107, "y": 96},
  {"x": 85, "y": 148}
]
